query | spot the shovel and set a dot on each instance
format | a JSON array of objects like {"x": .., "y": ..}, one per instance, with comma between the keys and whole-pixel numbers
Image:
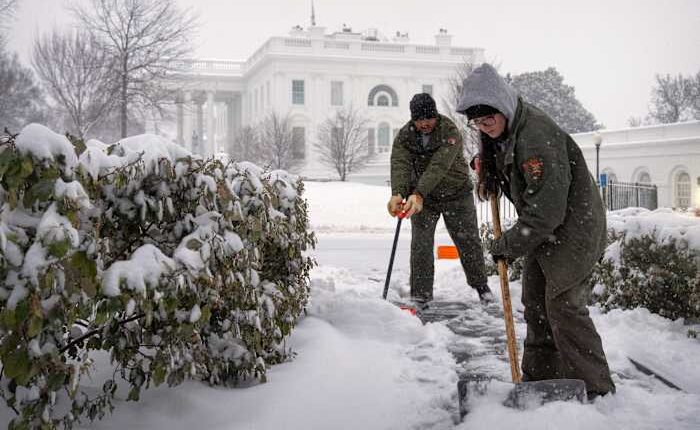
[
  {"x": 527, "y": 393},
  {"x": 410, "y": 309}
]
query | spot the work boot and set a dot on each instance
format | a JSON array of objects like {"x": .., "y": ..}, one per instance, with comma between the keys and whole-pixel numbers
[
  {"x": 485, "y": 294},
  {"x": 420, "y": 302}
]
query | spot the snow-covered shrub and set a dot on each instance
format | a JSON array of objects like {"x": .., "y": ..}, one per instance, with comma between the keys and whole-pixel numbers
[
  {"x": 515, "y": 268},
  {"x": 652, "y": 262},
  {"x": 178, "y": 267}
]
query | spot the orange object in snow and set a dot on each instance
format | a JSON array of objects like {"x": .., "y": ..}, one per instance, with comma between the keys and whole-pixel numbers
[{"x": 447, "y": 253}]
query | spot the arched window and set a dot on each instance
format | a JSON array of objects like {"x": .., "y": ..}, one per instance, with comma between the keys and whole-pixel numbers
[
  {"x": 644, "y": 178},
  {"x": 383, "y": 137},
  {"x": 383, "y": 100},
  {"x": 381, "y": 92},
  {"x": 681, "y": 190}
]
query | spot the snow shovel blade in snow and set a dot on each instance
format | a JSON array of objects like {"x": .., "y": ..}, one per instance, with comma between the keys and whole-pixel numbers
[
  {"x": 536, "y": 393},
  {"x": 468, "y": 387}
]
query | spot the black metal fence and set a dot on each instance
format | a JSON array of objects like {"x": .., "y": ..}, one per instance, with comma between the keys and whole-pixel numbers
[{"x": 620, "y": 195}]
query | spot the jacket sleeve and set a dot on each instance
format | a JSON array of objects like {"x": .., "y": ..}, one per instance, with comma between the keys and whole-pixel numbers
[
  {"x": 401, "y": 167},
  {"x": 441, "y": 161},
  {"x": 544, "y": 165}
]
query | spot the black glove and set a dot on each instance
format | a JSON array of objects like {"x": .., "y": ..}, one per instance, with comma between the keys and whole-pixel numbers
[
  {"x": 487, "y": 182},
  {"x": 499, "y": 252}
]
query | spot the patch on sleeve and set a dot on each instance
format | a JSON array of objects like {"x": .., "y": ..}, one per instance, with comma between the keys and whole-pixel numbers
[
  {"x": 451, "y": 140},
  {"x": 533, "y": 168}
]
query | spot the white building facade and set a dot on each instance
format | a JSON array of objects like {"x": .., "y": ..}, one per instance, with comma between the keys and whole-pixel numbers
[
  {"x": 666, "y": 155},
  {"x": 308, "y": 75}
]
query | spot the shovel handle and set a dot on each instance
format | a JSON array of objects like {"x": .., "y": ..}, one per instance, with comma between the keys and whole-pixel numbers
[{"x": 505, "y": 294}]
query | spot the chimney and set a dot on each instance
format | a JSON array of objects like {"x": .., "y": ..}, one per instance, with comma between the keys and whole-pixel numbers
[{"x": 443, "y": 38}]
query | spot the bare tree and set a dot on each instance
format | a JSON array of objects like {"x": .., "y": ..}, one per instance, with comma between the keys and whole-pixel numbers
[
  {"x": 7, "y": 12},
  {"x": 277, "y": 143},
  {"x": 77, "y": 74},
  {"x": 246, "y": 145},
  {"x": 672, "y": 99},
  {"x": 20, "y": 95},
  {"x": 342, "y": 142},
  {"x": 449, "y": 105},
  {"x": 146, "y": 39}
]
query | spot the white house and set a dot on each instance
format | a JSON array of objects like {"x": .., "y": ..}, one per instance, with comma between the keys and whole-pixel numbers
[{"x": 308, "y": 74}]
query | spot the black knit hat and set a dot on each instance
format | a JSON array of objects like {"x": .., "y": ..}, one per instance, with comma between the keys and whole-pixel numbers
[
  {"x": 477, "y": 111},
  {"x": 423, "y": 107}
]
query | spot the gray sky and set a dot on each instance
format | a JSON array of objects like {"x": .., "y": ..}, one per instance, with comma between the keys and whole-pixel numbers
[{"x": 609, "y": 50}]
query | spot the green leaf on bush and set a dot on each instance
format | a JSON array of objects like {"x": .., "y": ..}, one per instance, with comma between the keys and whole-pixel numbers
[
  {"x": 35, "y": 325},
  {"x": 17, "y": 364},
  {"x": 18, "y": 425},
  {"x": 27, "y": 167},
  {"x": 7, "y": 159},
  {"x": 193, "y": 244},
  {"x": 159, "y": 374},
  {"x": 134, "y": 394},
  {"x": 42, "y": 191},
  {"x": 56, "y": 381},
  {"x": 59, "y": 249},
  {"x": 8, "y": 319}
]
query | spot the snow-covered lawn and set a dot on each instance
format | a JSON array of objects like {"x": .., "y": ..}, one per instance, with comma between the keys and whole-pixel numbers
[{"x": 362, "y": 363}]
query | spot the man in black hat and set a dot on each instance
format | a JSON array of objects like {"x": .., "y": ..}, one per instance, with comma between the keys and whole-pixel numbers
[
  {"x": 560, "y": 231},
  {"x": 429, "y": 178}
]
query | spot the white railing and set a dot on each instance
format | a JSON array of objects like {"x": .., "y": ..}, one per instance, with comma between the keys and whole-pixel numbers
[
  {"x": 461, "y": 51},
  {"x": 383, "y": 47},
  {"x": 330, "y": 44},
  {"x": 227, "y": 67},
  {"x": 297, "y": 42},
  {"x": 427, "y": 49}
]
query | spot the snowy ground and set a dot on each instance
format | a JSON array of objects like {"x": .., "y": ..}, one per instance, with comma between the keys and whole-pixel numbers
[{"x": 363, "y": 364}]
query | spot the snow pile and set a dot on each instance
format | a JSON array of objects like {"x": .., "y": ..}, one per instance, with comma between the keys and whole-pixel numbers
[{"x": 663, "y": 224}]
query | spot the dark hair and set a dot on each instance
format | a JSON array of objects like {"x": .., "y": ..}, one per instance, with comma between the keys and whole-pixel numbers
[{"x": 477, "y": 111}]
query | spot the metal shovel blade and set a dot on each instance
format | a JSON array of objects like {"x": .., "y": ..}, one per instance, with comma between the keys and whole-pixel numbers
[
  {"x": 469, "y": 387},
  {"x": 536, "y": 393}
]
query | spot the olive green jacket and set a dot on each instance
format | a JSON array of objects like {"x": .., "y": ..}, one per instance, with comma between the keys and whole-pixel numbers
[
  {"x": 561, "y": 218},
  {"x": 436, "y": 172}
]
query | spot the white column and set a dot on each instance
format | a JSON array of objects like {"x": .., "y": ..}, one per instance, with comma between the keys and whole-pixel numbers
[
  {"x": 198, "y": 134},
  {"x": 210, "y": 145},
  {"x": 186, "y": 127}
]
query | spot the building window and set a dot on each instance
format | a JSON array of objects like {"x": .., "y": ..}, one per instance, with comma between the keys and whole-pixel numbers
[
  {"x": 682, "y": 191},
  {"x": 428, "y": 89},
  {"x": 298, "y": 92},
  {"x": 383, "y": 100},
  {"x": 383, "y": 137},
  {"x": 376, "y": 92},
  {"x": 336, "y": 93},
  {"x": 644, "y": 178},
  {"x": 298, "y": 143}
]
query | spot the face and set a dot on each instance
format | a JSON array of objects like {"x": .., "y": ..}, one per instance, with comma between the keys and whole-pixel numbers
[
  {"x": 493, "y": 125},
  {"x": 425, "y": 126}
]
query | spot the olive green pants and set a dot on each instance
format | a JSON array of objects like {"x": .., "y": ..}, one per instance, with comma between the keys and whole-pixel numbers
[
  {"x": 460, "y": 219},
  {"x": 561, "y": 341}
]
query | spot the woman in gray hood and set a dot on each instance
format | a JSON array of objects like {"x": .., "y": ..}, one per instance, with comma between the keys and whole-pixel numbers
[{"x": 560, "y": 231}]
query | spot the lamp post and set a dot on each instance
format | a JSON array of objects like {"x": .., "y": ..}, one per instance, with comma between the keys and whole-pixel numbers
[{"x": 597, "y": 140}]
